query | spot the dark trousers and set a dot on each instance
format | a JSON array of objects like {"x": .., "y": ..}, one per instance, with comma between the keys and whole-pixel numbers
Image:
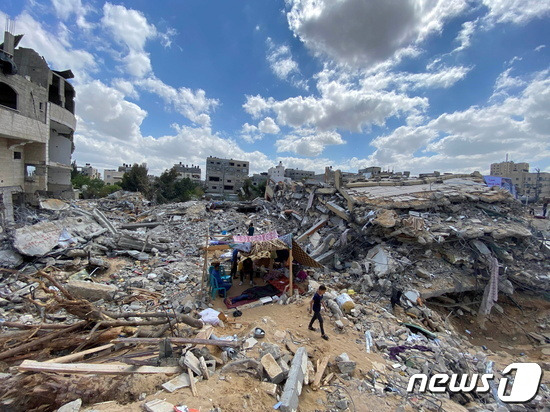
[
  {"x": 243, "y": 275},
  {"x": 234, "y": 269},
  {"x": 317, "y": 315}
]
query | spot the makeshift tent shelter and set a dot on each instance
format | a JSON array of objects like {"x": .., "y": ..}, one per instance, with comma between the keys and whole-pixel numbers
[{"x": 256, "y": 246}]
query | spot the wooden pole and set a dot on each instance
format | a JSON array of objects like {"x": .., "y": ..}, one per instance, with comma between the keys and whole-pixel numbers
[
  {"x": 176, "y": 341},
  {"x": 205, "y": 265},
  {"x": 80, "y": 355},
  {"x": 290, "y": 277}
]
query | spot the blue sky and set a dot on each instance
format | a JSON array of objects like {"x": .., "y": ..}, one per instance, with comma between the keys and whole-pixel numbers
[{"x": 419, "y": 85}]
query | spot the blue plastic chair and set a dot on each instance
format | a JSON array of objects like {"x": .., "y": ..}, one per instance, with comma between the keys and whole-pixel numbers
[
  {"x": 222, "y": 270},
  {"x": 214, "y": 287}
]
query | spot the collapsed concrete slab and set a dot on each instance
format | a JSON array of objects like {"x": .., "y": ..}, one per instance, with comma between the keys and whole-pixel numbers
[
  {"x": 91, "y": 291},
  {"x": 39, "y": 239}
]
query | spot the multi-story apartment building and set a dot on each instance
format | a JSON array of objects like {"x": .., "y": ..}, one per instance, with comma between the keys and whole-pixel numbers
[
  {"x": 125, "y": 168},
  {"x": 190, "y": 172},
  {"x": 531, "y": 184},
  {"x": 90, "y": 171},
  {"x": 508, "y": 168},
  {"x": 225, "y": 176},
  {"x": 259, "y": 178},
  {"x": 297, "y": 174},
  {"x": 112, "y": 176},
  {"x": 37, "y": 123},
  {"x": 277, "y": 173}
]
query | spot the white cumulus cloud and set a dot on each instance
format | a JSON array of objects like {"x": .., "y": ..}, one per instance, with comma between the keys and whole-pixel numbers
[
  {"x": 359, "y": 32},
  {"x": 192, "y": 104},
  {"x": 516, "y": 11},
  {"x": 131, "y": 29},
  {"x": 308, "y": 142},
  {"x": 268, "y": 125}
]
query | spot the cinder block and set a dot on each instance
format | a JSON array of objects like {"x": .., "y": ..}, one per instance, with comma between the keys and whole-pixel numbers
[
  {"x": 273, "y": 370},
  {"x": 270, "y": 388}
]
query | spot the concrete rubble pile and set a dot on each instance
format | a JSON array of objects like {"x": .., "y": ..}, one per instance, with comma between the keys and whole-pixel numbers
[
  {"x": 437, "y": 237},
  {"x": 101, "y": 278}
]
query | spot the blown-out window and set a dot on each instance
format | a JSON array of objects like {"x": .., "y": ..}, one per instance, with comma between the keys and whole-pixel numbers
[{"x": 8, "y": 96}]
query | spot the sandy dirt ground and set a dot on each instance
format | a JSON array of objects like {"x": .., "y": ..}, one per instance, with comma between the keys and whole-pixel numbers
[{"x": 234, "y": 393}]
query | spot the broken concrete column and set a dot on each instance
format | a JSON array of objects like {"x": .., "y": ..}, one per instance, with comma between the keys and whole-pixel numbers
[
  {"x": 272, "y": 368},
  {"x": 91, "y": 291},
  {"x": 295, "y": 381},
  {"x": 7, "y": 200},
  {"x": 103, "y": 221}
]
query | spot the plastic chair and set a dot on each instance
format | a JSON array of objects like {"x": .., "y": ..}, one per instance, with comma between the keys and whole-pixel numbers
[
  {"x": 214, "y": 287},
  {"x": 223, "y": 276},
  {"x": 211, "y": 269}
]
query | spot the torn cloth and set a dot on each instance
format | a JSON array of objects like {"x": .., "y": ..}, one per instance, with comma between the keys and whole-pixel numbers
[{"x": 396, "y": 350}]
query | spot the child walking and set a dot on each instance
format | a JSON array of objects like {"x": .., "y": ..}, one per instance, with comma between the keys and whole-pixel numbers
[{"x": 315, "y": 304}]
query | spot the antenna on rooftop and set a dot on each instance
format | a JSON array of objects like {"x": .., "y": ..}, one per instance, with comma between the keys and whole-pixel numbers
[{"x": 506, "y": 156}]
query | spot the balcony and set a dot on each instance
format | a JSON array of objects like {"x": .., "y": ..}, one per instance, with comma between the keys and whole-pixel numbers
[{"x": 62, "y": 116}]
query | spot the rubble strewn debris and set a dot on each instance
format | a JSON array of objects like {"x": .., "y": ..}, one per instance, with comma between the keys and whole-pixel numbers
[{"x": 418, "y": 275}]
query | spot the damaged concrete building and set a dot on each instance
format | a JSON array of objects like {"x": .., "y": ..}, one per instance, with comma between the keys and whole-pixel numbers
[
  {"x": 37, "y": 124},
  {"x": 224, "y": 177}
]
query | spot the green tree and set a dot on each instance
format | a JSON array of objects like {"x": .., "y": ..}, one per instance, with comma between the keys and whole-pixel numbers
[
  {"x": 74, "y": 170},
  {"x": 106, "y": 190},
  {"x": 136, "y": 180},
  {"x": 168, "y": 188},
  {"x": 260, "y": 189},
  {"x": 248, "y": 189}
]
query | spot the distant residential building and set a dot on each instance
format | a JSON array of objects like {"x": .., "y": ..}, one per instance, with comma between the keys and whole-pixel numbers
[
  {"x": 225, "y": 176},
  {"x": 90, "y": 171},
  {"x": 508, "y": 168},
  {"x": 527, "y": 183},
  {"x": 277, "y": 173},
  {"x": 298, "y": 174},
  {"x": 258, "y": 178},
  {"x": 371, "y": 171},
  {"x": 125, "y": 168},
  {"x": 112, "y": 176},
  {"x": 191, "y": 172}
]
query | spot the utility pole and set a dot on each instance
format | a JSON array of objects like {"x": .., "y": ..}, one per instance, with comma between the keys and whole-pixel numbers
[{"x": 537, "y": 183}]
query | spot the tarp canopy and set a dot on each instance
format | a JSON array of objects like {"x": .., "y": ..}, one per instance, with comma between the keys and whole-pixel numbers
[{"x": 258, "y": 249}]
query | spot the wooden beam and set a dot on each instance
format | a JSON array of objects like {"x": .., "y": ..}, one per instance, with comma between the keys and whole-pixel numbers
[
  {"x": 102, "y": 369},
  {"x": 38, "y": 342},
  {"x": 205, "y": 265},
  {"x": 192, "y": 381},
  {"x": 204, "y": 368},
  {"x": 212, "y": 342},
  {"x": 319, "y": 374},
  {"x": 210, "y": 248},
  {"x": 43, "y": 326},
  {"x": 80, "y": 355}
]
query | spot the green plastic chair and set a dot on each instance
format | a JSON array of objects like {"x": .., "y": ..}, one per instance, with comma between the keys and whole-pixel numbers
[{"x": 214, "y": 287}]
